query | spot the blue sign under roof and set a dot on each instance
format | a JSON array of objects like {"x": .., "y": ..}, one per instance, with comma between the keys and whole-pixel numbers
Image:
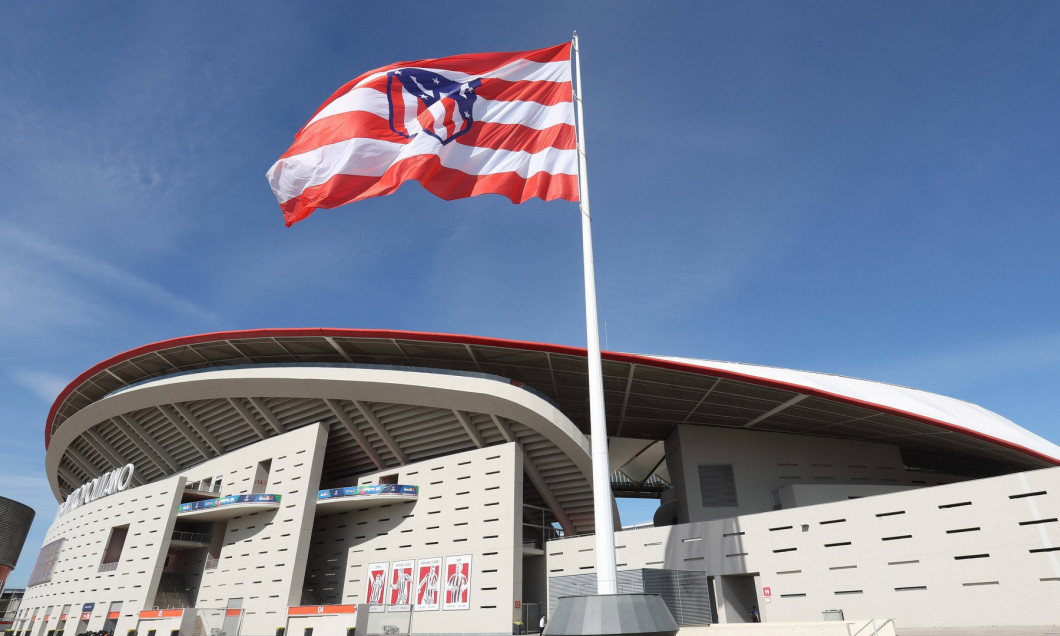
[
  {"x": 376, "y": 489},
  {"x": 231, "y": 499}
]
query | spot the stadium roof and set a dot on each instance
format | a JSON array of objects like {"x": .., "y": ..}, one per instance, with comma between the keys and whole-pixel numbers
[{"x": 646, "y": 396}]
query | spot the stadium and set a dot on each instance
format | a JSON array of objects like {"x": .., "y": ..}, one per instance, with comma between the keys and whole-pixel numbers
[{"x": 402, "y": 482}]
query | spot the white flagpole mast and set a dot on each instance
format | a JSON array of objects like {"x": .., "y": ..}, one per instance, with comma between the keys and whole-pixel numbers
[{"x": 606, "y": 570}]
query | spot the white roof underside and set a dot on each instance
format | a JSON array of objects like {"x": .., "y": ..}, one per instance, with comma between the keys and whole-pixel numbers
[{"x": 951, "y": 411}]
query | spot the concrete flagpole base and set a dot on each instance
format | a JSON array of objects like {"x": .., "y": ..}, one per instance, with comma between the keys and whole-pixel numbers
[{"x": 611, "y": 615}]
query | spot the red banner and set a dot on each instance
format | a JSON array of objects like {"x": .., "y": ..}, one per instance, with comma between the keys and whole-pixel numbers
[
  {"x": 166, "y": 613},
  {"x": 305, "y": 610}
]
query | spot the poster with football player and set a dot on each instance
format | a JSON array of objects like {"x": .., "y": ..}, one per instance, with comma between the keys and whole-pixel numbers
[
  {"x": 428, "y": 584},
  {"x": 457, "y": 593},
  {"x": 375, "y": 584},
  {"x": 401, "y": 582}
]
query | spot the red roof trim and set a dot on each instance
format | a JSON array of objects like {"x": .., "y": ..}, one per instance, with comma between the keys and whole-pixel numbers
[{"x": 387, "y": 334}]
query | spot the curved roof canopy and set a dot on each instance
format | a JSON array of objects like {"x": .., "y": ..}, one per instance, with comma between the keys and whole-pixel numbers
[
  {"x": 378, "y": 418},
  {"x": 646, "y": 396}
]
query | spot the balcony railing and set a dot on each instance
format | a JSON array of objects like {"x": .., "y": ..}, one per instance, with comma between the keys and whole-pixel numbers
[
  {"x": 332, "y": 500},
  {"x": 108, "y": 567},
  {"x": 236, "y": 502},
  {"x": 212, "y": 562},
  {"x": 191, "y": 537},
  {"x": 205, "y": 488}
]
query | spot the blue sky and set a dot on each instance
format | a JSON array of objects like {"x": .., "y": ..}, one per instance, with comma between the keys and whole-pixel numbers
[{"x": 868, "y": 189}]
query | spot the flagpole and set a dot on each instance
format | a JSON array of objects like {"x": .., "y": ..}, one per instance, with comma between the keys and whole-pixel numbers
[{"x": 606, "y": 570}]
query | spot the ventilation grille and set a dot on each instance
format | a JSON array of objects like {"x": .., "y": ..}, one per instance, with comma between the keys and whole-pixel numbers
[
  {"x": 717, "y": 486},
  {"x": 685, "y": 592}
]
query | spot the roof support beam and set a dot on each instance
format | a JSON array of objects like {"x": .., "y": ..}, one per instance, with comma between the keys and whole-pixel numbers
[
  {"x": 259, "y": 404},
  {"x": 654, "y": 468},
  {"x": 777, "y": 409},
  {"x": 90, "y": 469},
  {"x": 67, "y": 476},
  {"x": 159, "y": 457},
  {"x": 188, "y": 416},
  {"x": 465, "y": 421},
  {"x": 351, "y": 428},
  {"x": 239, "y": 352},
  {"x": 104, "y": 449},
  {"x": 278, "y": 343},
  {"x": 702, "y": 399},
  {"x": 503, "y": 427},
  {"x": 625, "y": 400},
  {"x": 552, "y": 374},
  {"x": 133, "y": 362},
  {"x": 536, "y": 478},
  {"x": 542, "y": 489},
  {"x": 170, "y": 366},
  {"x": 174, "y": 419},
  {"x": 247, "y": 416},
  {"x": 471, "y": 354},
  {"x": 338, "y": 349},
  {"x": 380, "y": 431},
  {"x": 397, "y": 344},
  {"x": 82, "y": 462}
]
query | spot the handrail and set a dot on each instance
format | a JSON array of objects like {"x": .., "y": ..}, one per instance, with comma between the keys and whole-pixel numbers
[{"x": 875, "y": 628}]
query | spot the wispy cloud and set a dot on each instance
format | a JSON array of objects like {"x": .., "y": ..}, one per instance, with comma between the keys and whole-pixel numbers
[
  {"x": 40, "y": 383},
  {"x": 29, "y": 487},
  {"x": 44, "y": 284}
]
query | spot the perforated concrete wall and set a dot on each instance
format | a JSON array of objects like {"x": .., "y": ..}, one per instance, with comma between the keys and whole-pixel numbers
[
  {"x": 261, "y": 554},
  {"x": 982, "y": 552},
  {"x": 77, "y": 578},
  {"x": 469, "y": 503}
]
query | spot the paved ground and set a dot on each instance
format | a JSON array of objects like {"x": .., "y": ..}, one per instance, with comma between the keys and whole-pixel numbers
[{"x": 981, "y": 631}]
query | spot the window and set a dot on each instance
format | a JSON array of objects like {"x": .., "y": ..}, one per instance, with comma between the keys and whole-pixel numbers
[
  {"x": 261, "y": 477},
  {"x": 114, "y": 547}
]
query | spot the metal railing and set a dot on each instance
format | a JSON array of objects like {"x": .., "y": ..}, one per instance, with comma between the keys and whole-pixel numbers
[
  {"x": 640, "y": 526},
  {"x": 191, "y": 537},
  {"x": 212, "y": 562},
  {"x": 213, "y": 489},
  {"x": 108, "y": 567},
  {"x": 875, "y": 628}
]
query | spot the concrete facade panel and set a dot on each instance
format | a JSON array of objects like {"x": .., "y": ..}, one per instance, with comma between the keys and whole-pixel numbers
[{"x": 896, "y": 555}]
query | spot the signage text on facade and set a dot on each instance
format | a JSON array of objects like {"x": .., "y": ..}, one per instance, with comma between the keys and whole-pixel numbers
[{"x": 116, "y": 480}]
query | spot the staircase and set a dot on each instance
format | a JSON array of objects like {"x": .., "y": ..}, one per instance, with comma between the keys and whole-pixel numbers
[{"x": 171, "y": 592}]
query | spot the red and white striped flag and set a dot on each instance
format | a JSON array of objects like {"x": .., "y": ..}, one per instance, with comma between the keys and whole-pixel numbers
[{"x": 500, "y": 123}]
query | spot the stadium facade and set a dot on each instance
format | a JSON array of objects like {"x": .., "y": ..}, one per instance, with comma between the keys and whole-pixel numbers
[{"x": 247, "y": 481}]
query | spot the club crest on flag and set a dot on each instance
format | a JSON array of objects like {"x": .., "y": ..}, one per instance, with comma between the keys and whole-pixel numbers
[
  {"x": 426, "y": 101},
  {"x": 510, "y": 114}
]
